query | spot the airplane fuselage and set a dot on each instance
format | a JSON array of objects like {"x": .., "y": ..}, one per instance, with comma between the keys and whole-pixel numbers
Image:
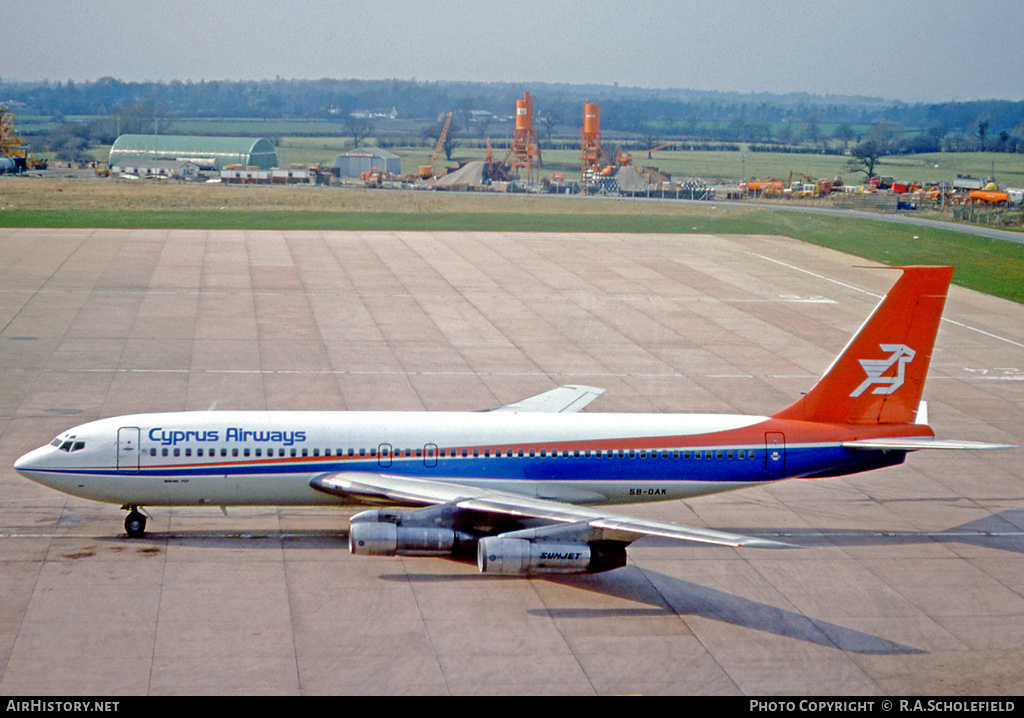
[
  {"x": 521, "y": 484},
  {"x": 269, "y": 458}
]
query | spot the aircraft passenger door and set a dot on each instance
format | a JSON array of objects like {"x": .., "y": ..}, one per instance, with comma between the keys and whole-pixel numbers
[
  {"x": 384, "y": 453},
  {"x": 128, "y": 448},
  {"x": 775, "y": 452},
  {"x": 430, "y": 456}
]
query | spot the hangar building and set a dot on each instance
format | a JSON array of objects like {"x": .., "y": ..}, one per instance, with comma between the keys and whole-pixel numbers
[
  {"x": 363, "y": 159},
  {"x": 210, "y": 153}
]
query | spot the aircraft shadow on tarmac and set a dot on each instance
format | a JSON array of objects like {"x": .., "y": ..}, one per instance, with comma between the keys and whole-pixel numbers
[
  {"x": 663, "y": 595},
  {"x": 1002, "y": 531},
  {"x": 667, "y": 595},
  {"x": 670, "y": 596}
]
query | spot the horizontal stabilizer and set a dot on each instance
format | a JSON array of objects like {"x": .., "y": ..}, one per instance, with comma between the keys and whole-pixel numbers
[{"x": 914, "y": 444}]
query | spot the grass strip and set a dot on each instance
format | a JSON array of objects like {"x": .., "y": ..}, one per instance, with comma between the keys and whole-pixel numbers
[{"x": 991, "y": 266}]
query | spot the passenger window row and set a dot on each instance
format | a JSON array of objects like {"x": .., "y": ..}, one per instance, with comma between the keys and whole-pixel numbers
[{"x": 449, "y": 453}]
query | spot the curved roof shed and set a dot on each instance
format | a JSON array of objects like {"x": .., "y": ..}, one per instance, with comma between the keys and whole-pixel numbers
[
  {"x": 207, "y": 152},
  {"x": 363, "y": 159}
]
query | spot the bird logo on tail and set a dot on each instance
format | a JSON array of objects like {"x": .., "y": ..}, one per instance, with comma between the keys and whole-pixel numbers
[{"x": 900, "y": 356}]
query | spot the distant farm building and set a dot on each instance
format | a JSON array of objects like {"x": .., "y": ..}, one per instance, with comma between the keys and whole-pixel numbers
[
  {"x": 209, "y": 153},
  {"x": 158, "y": 168},
  {"x": 236, "y": 174},
  {"x": 363, "y": 159}
]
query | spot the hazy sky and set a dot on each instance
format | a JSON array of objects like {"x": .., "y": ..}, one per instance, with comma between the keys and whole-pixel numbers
[{"x": 934, "y": 51}]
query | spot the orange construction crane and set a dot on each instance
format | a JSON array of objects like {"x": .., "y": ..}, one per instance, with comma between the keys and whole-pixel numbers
[
  {"x": 624, "y": 158},
  {"x": 427, "y": 171}
]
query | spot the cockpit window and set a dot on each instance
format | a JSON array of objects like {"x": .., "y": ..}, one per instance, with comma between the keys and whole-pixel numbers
[{"x": 68, "y": 444}]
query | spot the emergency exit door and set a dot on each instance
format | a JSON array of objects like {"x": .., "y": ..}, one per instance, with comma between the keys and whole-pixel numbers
[
  {"x": 775, "y": 452},
  {"x": 128, "y": 448}
]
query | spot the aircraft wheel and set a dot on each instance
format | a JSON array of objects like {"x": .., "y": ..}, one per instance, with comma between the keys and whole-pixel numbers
[{"x": 135, "y": 524}]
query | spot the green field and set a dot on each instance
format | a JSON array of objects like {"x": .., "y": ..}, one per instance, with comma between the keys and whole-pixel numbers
[{"x": 992, "y": 266}]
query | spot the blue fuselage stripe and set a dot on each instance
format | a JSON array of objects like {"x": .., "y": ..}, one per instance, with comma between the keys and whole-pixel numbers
[{"x": 796, "y": 461}]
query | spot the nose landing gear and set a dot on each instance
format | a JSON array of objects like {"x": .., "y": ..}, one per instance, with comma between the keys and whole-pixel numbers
[{"x": 135, "y": 522}]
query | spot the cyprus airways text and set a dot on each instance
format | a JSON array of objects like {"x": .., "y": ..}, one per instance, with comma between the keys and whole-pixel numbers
[{"x": 172, "y": 437}]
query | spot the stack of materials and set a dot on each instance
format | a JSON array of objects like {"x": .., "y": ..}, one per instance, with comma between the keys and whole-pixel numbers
[
  {"x": 468, "y": 177},
  {"x": 631, "y": 182}
]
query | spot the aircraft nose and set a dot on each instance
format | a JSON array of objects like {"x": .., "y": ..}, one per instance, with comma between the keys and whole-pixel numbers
[{"x": 26, "y": 464}]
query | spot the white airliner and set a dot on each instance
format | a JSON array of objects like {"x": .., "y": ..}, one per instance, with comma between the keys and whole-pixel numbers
[{"x": 524, "y": 485}]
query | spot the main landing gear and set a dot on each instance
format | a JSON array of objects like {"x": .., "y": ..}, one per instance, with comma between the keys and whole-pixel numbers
[{"x": 135, "y": 522}]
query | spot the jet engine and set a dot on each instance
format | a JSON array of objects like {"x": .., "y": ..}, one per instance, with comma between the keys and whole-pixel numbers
[
  {"x": 519, "y": 557},
  {"x": 386, "y": 539},
  {"x": 383, "y": 532},
  {"x": 435, "y": 531}
]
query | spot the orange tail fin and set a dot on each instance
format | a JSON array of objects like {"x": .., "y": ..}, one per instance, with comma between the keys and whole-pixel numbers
[{"x": 878, "y": 378}]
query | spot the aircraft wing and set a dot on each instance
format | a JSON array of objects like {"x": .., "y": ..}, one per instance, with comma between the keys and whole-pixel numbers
[
  {"x": 595, "y": 521},
  {"x": 563, "y": 400},
  {"x": 917, "y": 443}
]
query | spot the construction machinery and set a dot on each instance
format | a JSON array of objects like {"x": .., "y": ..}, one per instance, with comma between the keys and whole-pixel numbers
[
  {"x": 809, "y": 187},
  {"x": 375, "y": 177},
  {"x": 990, "y": 194},
  {"x": 592, "y": 157},
  {"x": 765, "y": 188},
  {"x": 525, "y": 151},
  {"x": 14, "y": 156},
  {"x": 427, "y": 171},
  {"x": 493, "y": 171},
  {"x": 624, "y": 159}
]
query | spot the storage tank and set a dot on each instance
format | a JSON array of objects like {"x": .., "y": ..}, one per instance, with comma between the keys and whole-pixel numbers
[
  {"x": 591, "y": 120},
  {"x": 524, "y": 114},
  {"x": 591, "y": 155}
]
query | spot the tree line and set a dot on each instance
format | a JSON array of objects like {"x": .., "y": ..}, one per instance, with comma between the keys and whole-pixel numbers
[{"x": 771, "y": 122}]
